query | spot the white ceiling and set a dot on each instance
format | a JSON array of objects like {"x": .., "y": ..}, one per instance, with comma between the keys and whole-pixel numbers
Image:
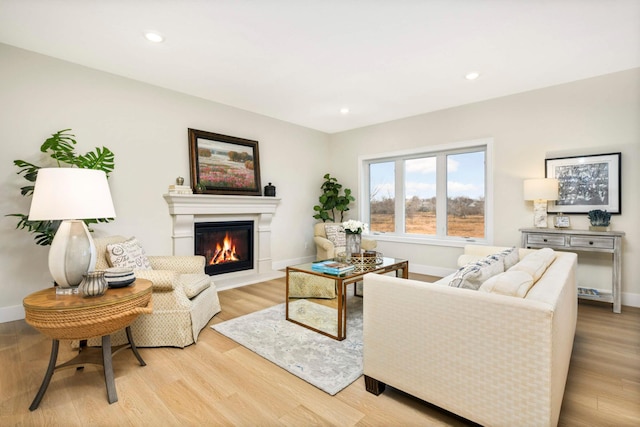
[{"x": 302, "y": 61}]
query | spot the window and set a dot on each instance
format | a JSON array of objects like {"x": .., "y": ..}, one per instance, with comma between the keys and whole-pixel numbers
[{"x": 442, "y": 193}]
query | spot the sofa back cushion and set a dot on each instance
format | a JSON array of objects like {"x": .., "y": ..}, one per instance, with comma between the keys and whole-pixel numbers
[
  {"x": 536, "y": 263},
  {"x": 512, "y": 283}
]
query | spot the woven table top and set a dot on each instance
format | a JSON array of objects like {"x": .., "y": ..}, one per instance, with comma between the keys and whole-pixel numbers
[{"x": 77, "y": 317}]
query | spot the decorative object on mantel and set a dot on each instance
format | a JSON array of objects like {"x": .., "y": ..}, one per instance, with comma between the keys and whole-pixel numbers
[
  {"x": 599, "y": 220},
  {"x": 180, "y": 189},
  {"x": 331, "y": 200},
  {"x": 270, "y": 190},
  {"x": 222, "y": 164},
  {"x": 180, "y": 180},
  {"x": 587, "y": 183},
  {"x": 540, "y": 190}
]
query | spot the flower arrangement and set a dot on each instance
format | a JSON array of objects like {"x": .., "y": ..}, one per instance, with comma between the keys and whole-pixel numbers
[{"x": 353, "y": 226}]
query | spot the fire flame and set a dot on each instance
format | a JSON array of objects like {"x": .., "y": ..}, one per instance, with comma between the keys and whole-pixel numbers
[{"x": 225, "y": 252}]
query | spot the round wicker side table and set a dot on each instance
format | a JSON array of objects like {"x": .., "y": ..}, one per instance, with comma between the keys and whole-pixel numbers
[{"x": 72, "y": 317}]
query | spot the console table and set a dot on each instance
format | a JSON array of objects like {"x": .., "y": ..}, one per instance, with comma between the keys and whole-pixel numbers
[
  {"x": 72, "y": 317},
  {"x": 585, "y": 241}
]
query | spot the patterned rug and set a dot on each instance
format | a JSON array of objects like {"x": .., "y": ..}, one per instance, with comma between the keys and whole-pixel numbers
[{"x": 326, "y": 363}]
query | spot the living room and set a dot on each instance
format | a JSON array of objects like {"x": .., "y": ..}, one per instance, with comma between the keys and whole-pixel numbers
[{"x": 146, "y": 125}]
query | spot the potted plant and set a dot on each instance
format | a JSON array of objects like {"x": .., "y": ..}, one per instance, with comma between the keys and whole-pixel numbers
[
  {"x": 60, "y": 147},
  {"x": 332, "y": 200}
]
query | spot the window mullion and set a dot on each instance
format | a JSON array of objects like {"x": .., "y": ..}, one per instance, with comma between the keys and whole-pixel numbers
[
  {"x": 400, "y": 196},
  {"x": 441, "y": 195}
]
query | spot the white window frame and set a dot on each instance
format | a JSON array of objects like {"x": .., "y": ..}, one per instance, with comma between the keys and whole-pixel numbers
[{"x": 449, "y": 148}]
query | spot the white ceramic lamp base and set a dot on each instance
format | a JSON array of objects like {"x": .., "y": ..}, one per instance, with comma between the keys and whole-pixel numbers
[{"x": 72, "y": 254}]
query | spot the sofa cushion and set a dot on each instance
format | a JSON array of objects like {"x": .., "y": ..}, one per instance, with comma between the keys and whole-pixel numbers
[
  {"x": 472, "y": 275},
  {"x": 336, "y": 235},
  {"x": 513, "y": 283},
  {"x": 510, "y": 257},
  {"x": 128, "y": 254},
  {"x": 536, "y": 263},
  {"x": 193, "y": 284}
]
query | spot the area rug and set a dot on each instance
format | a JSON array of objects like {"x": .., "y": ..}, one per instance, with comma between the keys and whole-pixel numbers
[{"x": 326, "y": 363}]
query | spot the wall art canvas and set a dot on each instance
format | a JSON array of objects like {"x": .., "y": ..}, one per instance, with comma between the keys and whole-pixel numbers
[
  {"x": 586, "y": 183},
  {"x": 222, "y": 164}
]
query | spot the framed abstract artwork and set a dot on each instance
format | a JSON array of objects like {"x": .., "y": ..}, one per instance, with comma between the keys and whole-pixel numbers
[
  {"x": 586, "y": 183},
  {"x": 222, "y": 164}
]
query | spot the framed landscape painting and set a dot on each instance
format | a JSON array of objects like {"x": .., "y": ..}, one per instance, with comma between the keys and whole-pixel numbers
[
  {"x": 586, "y": 183},
  {"x": 222, "y": 164}
]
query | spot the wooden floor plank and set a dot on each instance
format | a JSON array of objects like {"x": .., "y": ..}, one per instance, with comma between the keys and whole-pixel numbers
[{"x": 219, "y": 382}]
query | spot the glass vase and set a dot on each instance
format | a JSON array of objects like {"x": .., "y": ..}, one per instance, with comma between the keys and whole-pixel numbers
[{"x": 353, "y": 242}]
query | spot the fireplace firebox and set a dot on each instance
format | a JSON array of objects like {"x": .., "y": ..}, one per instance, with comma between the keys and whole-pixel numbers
[{"x": 226, "y": 245}]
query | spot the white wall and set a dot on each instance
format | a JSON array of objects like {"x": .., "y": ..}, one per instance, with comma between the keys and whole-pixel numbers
[
  {"x": 598, "y": 115},
  {"x": 146, "y": 127}
]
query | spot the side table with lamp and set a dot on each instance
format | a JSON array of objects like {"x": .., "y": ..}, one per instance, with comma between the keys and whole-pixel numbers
[{"x": 71, "y": 195}]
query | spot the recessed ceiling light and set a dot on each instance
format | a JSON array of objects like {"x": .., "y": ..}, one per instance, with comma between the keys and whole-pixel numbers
[
  {"x": 344, "y": 110},
  {"x": 472, "y": 75},
  {"x": 153, "y": 37}
]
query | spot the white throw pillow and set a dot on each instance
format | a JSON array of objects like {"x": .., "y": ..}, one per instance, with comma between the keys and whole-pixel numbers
[
  {"x": 510, "y": 257},
  {"x": 536, "y": 263},
  {"x": 128, "y": 254},
  {"x": 473, "y": 275},
  {"x": 512, "y": 283},
  {"x": 336, "y": 234}
]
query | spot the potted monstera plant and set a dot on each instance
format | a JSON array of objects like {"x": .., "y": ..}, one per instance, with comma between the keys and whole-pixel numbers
[{"x": 60, "y": 148}]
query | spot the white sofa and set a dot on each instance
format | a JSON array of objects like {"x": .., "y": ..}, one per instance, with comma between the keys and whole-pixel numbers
[{"x": 494, "y": 359}]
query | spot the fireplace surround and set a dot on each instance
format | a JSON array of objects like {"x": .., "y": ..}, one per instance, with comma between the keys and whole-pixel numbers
[{"x": 188, "y": 209}]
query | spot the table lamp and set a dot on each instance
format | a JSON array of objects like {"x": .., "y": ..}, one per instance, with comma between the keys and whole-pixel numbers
[
  {"x": 540, "y": 190},
  {"x": 71, "y": 195}
]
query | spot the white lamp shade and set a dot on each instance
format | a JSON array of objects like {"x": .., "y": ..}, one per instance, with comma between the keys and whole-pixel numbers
[
  {"x": 71, "y": 193},
  {"x": 541, "y": 189}
]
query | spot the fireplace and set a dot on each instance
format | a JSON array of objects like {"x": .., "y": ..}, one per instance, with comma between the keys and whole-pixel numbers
[{"x": 226, "y": 245}]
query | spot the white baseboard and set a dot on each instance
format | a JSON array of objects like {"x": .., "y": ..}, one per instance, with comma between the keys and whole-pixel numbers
[
  {"x": 11, "y": 313},
  {"x": 631, "y": 300}
]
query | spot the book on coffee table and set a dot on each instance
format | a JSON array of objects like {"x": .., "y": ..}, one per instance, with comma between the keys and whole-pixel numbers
[{"x": 332, "y": 267}]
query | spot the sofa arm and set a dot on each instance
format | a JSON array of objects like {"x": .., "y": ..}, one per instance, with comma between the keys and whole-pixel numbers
[
  {"x": 485, "y": 357},
  {"x": 180, "y": 264},
  {"x": 163, "y": 280},
  {"x": 325, "y": 248}
]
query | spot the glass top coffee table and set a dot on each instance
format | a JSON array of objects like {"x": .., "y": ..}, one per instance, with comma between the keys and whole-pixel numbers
[{"x": 318, "y": 300}]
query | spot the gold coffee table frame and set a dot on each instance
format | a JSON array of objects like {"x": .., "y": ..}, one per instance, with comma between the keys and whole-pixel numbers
[
  {"x": 72, "y": 317},
  {"x": 399, "y": 266}
]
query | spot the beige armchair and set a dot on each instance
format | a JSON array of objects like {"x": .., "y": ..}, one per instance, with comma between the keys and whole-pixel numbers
[
  {"x": 325, "y": 246},
  {"x": 184, "y": 299}
]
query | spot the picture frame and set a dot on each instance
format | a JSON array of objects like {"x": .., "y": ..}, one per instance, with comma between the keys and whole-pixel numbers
[
  {"x": 223, "y": 164},
  {"x": 586, "y": 183}
]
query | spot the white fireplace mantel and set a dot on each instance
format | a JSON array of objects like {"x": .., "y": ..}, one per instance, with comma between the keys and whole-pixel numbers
[{"x": 187, "y": 209}]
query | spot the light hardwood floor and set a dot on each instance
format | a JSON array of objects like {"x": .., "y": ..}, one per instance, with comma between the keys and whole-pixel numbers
[{"x": 218, "y": 382}]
